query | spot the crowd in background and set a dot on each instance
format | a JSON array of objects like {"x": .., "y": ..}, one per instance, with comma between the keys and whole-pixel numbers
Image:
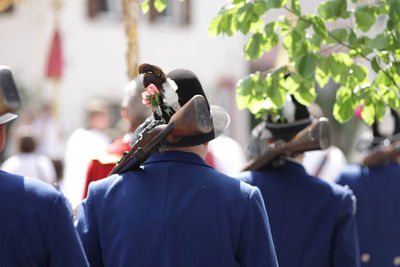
[{"x": 40, "y": 147}]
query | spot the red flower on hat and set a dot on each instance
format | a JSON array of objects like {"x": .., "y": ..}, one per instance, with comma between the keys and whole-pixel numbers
[{"x": 150, "y": 97}]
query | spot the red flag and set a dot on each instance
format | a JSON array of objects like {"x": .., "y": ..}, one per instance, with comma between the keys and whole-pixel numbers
[{"x": 55, "y": 60}]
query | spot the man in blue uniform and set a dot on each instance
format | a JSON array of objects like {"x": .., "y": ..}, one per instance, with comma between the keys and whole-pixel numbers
[
  {"x": 312, "y": 222},
  {"x": 36, "y": 227},
  {"x": 378, "y": 200},
  {"x": 175, "y": 210}
]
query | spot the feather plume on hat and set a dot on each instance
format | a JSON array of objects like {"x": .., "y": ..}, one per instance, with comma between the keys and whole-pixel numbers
[{"x": 168, "y": 99}]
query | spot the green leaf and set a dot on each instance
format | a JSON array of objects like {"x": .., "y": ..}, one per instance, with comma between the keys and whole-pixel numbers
[
  {"x": 306, "y": 93},
  {"x": 302, "y": 25},
  {"x": 319, "y": 26},
  {"x": 365, "y": 17},
  {"x": 383, "y": 8},
  {"x": 276, "y": 3},
  {"x": 271, "y": 41},
  {"x": 295, "y": 45},
  {"x": 382, "y": 80},
  {"x": 269, "y": 28},
  {"x": 352, "y": 38},
  {"x": 227, "y": 23},
  {"x": 305, "y": 65},
  {"x": 254, "y": 47},
  {"x": 360, "y": 73},
  {"x": 250, "y": 93},
  {"x": 260, "y": 7},
  {"x": 394, "y": 16},
  {"x": 160, "y": 5},
  {"x": 244, "y": 16},
  {"x": 392, "y": 98},
  {"x": 246, "y": 101},
  {"x": 322, "y": 77},
  {"x": 257, "y": 25},
  {"x": 275, "y": 92},
  {"x": 380, "y": 42},
  {"x": 322, "y": 74},
  {"x": 213, "y": 26},
  {"x": 375, "y": 65},
  {"x": 338, "y": 35},
  {"x": 292, "y": 83},
  {"x": 343, "y": 58},
  {"x": 295, "y": 7},
  {"x": 344, "y": 107},
  {"x": 384, "y": 55},
  {"x": 380, "y": 109},
  {"x": 396, "y": 66},
  {"x": 332, "y": 10},
  {"x": 368, "y": 113},
  {"x": 145, "y": 6}
]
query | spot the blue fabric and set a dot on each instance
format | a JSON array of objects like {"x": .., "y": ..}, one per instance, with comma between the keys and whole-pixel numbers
[
  {"x": 312, "y": 222},
  {"x": 378, "y": 211},
  {"x": 36, "y": 227},
  {"x": 175, "y": 212}
]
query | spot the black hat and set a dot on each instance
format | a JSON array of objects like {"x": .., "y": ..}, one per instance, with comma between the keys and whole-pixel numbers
[
  {"x": 177, "y": 88},
  {"x": 382, "y": 132},
  {"x": 290, "y": 120},
  {"x": 386, "y": 128}
]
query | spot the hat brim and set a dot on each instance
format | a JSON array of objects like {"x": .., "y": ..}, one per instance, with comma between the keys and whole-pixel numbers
[
  {"x": 7, "y": 117},
  {"x": 221, "y": 120}
]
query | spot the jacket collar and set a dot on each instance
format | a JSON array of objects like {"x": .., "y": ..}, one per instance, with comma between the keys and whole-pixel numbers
[
  {"x": 294, "y": 167},
  {"x": 176, "y": 155}
]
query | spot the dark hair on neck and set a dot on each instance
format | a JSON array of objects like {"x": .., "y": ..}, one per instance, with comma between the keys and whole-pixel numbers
[{"x": 152, "y": 75}]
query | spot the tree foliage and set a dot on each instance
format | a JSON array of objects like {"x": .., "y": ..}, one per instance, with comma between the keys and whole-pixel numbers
[{"x": 366, "y": 66}]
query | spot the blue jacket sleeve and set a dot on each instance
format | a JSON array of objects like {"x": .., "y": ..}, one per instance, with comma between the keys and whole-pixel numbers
[
  {"x": 88, "y": 231},
  {"x": 63, "y": 244},
  {"x": 256, "y": 246},
  {"x": 345, "y": 243}
]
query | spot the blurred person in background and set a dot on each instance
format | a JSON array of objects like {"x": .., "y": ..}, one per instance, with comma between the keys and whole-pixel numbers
[
  {"x": 132, "y": 111},
  {"x": 377, "y": 190},
  {"x": 30, "y": 163},
  {"x": 226, "y": 155},
  {"x": 312, "y": 221},
  {"x": 83, "y": 145},
  {"x": 36, "y": 225}
]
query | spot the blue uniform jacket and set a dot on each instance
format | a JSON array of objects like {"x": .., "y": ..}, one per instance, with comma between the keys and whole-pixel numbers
[
  {"x": 378, "y": 212},
  {"x": 36, "y": 228},
  {"x": 176, "y": 211},
  {"x": 312, "y": 222}
]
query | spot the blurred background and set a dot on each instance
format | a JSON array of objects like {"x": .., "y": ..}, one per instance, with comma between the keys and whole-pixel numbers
[{"x": 64, "y": 53}]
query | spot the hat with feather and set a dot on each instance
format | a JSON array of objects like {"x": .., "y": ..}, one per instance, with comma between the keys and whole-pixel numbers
[
  {"x": 289, "y": 120},
  {"x": 166, "y": 94},
  {"x": 381, "y": 132}
]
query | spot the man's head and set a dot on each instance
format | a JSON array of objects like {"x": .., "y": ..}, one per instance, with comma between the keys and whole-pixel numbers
[
  {"x": 132, "y": 108},
  {"x": 168, "y": 93},
  {"x": 98, "y": 114}
]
